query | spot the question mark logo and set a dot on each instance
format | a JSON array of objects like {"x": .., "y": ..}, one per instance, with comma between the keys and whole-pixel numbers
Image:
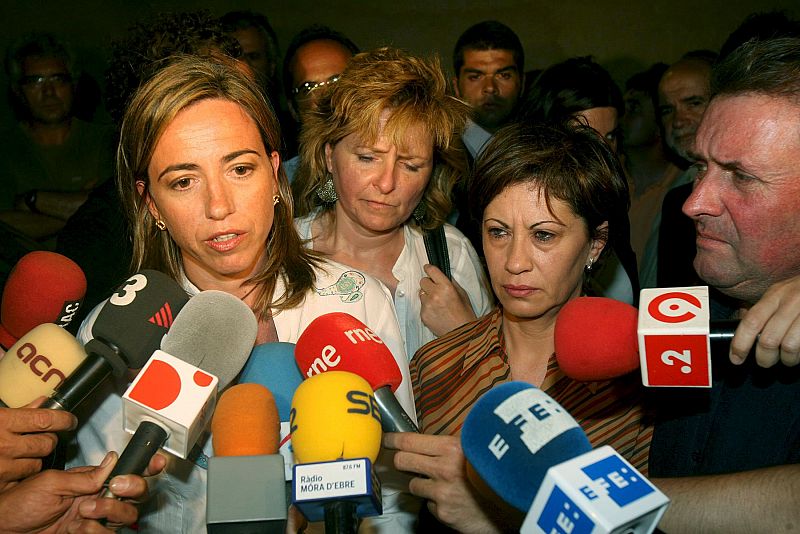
[{"x": 672, "y": 357}]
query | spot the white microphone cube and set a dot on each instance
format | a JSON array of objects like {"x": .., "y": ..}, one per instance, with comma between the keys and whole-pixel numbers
[
  {"x": 316, "y": 484},
  {"x": 174, "y": 394},
  {"x": 673, "y": 331},
  {"x": 598, "y": 492}
]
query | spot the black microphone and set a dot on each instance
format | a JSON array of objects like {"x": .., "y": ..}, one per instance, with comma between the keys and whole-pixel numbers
[{"x": 128, "y": 329}]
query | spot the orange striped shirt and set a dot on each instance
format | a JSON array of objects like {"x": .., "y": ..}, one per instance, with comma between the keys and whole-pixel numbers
[{"x": 452, "y": 372}]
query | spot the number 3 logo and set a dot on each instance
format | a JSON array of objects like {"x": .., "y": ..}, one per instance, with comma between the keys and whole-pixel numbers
[{"x": 127, "y": 293}]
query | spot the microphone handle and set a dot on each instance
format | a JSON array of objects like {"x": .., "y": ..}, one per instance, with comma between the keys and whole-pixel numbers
[
  {"x": 722, "y": 330},
  {"x": 393, "y": 417},
  {"x": 341, "y": 518},
  {"x": 147, "y": 439},
  {"x": 79, "y": 384}
]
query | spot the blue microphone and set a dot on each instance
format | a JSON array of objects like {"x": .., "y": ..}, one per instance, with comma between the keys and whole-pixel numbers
[{"x": 273, "y": 366}]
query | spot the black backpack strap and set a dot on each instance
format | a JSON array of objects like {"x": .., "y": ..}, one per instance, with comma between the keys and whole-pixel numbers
[{"x": 436, "y": 247}]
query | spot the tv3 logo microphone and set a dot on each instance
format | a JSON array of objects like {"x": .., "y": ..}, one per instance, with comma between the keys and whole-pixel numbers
[
  {"x": 126, "y": 294},
  {"x": 674, "y": 337}
]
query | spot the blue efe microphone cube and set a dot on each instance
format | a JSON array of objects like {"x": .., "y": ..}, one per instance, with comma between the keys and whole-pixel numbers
[{"x": 513, "y": 434}]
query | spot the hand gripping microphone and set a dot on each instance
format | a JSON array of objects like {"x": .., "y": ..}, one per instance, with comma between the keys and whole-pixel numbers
[
  {"x": 171, "y": 400},
  {"x": 246, "y": 488},
  {"x": 336, "y": 434},
  {"x": 43, "y": 287},
  {"x": 669, "y": 337},
  {"x": 272, "y": 365},
  {"x": 37, "y": 364},
  {"x": 532, "y": 454},
  {"x": 340, "y": 341},
  {"x": 127, "y": 330}
]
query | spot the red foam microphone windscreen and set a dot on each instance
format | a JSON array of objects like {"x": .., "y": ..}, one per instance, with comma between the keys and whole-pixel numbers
[
  {"x": 338, "y": 341},
  {"x": 245, "y": 422},
  {"x": 43, "y": 287},
  {"x": 595, "y": 339}
]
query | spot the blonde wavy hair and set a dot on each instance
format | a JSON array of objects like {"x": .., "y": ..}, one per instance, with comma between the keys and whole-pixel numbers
[
  {"x": 415, "y": 90},
  {"x": 183, "y": 81}
]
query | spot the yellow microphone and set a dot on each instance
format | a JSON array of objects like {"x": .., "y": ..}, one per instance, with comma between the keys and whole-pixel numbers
[
  {"x": 37, "y": 364},
  {"x": 336, "y": 436}
]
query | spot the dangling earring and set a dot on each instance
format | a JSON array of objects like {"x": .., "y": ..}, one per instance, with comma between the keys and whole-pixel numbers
[
  {"x": 326, "y": 192},
  {"x": 419, "y": 211},
  {"x": 589, "y": 265},
  {"x": 276, "y": 199},
  {"x": 161, "y": 225}
]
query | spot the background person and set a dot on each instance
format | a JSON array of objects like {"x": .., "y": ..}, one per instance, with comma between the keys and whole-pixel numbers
[
  {"x": 379, "y": 158},
  {"x": 546, "y": 195}
]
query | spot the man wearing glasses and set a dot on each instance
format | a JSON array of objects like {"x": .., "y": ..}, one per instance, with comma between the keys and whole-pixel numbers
[
  {"x": 316, "y": 57},
  {"x": 49, "y": 160}
]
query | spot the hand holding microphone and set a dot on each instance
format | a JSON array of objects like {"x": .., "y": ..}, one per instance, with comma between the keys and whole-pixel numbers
[
  {"x": 68, "y": 501},
  {"x": 443, "y": 481},
  {"x": 27, "y": 435}
]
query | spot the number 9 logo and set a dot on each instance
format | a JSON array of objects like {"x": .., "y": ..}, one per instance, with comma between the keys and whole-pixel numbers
[
  {"x": 674, "y": 307},
  {"x": 127, "y": 293}
]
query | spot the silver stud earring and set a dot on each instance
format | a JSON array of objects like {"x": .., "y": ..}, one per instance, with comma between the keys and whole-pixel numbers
[
  {"x": 589, "y": 265},
  {"x": 326, "y": 192}
]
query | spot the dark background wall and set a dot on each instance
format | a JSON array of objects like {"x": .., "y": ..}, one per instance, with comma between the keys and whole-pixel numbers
[{"x": 625, "y": 36}]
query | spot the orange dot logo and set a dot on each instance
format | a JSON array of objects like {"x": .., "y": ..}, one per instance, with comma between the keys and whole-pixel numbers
[
  {"x": 159, "y": 387},
  {"x": 202, "y": 379}
]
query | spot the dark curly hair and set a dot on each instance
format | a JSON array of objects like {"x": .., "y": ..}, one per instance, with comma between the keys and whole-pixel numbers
[{"x": 144, "y": 50}]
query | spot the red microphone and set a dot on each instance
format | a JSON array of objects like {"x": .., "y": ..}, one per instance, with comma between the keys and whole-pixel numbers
[
  {"x": 43, "y": 287},
  {"x": 668, "y": 337},
  {"x": 595, "y": 339},
  {"x": 338, "y": 341}
]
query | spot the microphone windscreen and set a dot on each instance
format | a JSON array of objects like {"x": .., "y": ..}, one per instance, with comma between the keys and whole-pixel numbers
[
  {"x": 340, "y": 341},
  {"x": 513, "y": 434},
  {"x": 595, "y": 339},
  {"x": 273, "y": 366},
  {"x": 38, "y": 363},
  {"x": 335, "y": 417},
  {"x": 214, "y": 331},
  {"x": 245, "y": 422},
  {"x": 43, "y": 287},
  {"x": 136, "y": 317}
]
